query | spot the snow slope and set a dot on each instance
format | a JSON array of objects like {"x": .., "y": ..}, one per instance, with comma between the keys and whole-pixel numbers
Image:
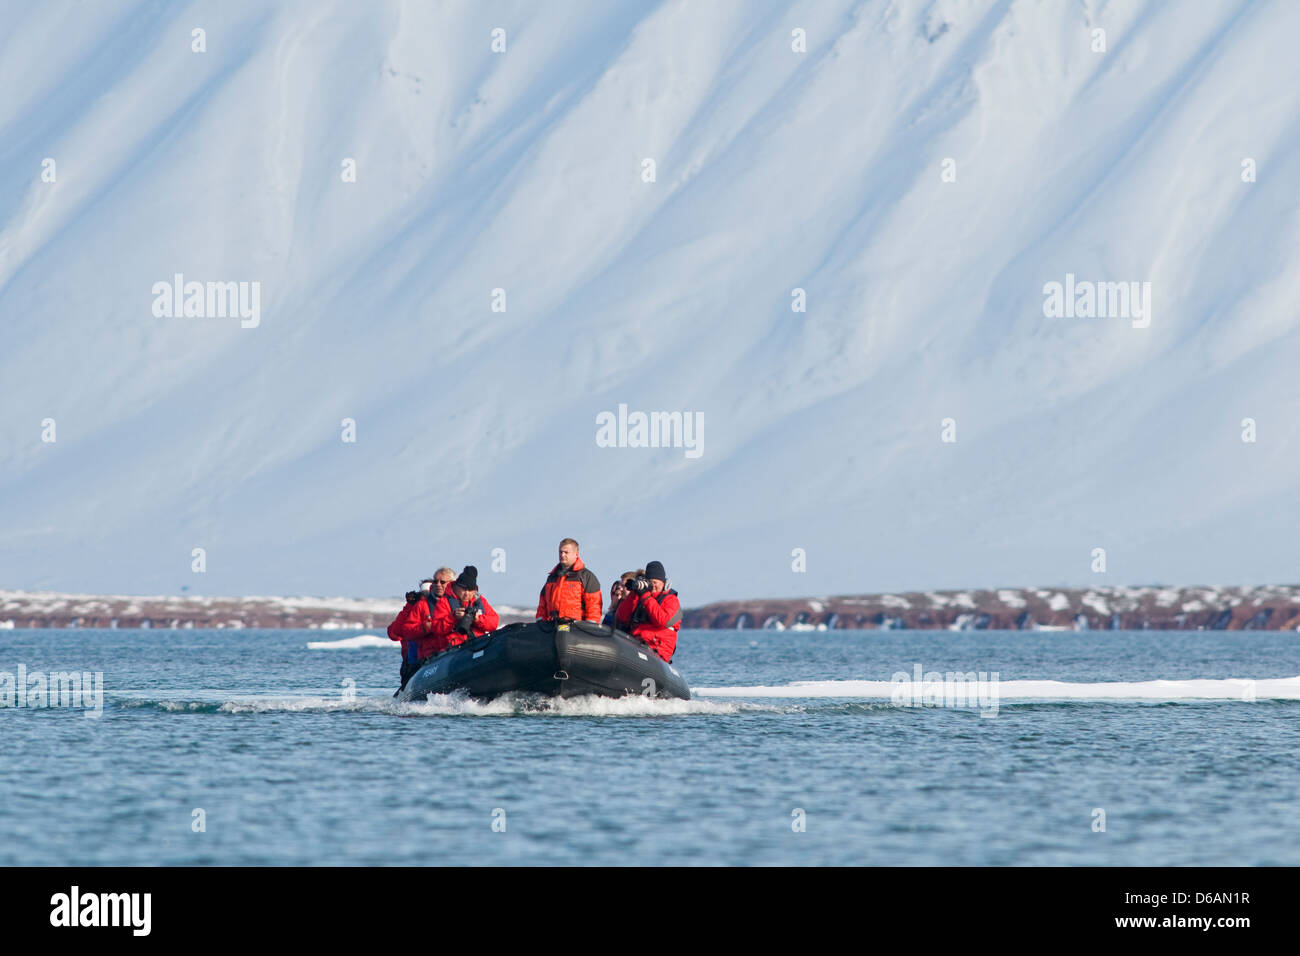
[{"x": 522, "y": 171}]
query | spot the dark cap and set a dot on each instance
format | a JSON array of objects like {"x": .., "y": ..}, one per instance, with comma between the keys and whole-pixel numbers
[
  {"x": 468, "y": 578},
  {"x": 655, "y": 572}
]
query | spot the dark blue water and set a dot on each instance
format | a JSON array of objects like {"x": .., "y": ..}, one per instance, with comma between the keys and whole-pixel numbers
[{"x": 298, "y": 756}]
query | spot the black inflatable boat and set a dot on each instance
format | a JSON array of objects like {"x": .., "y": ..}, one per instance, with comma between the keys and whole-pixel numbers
[{"x": 555, "y": 659}]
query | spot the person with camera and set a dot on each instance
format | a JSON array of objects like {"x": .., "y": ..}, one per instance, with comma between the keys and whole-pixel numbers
[
  {"x": 571, "y": 591},
  {"x": 651, "y": 611},
  {"x": 618, "y": 591},
  {"x": 413, "y": 626},
  {"x": 462, "y": 612}
]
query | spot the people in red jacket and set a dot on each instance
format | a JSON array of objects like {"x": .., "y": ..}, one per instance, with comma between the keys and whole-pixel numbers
[
  {"x": 462, "y": 612},
  {"x": 413, "y": 626},
  {"x": 651, "y": 611},
  {"x": 571, "y": 590}
]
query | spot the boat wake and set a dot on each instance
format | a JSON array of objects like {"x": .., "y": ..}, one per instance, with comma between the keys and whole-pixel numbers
[
  {"x": 377, "y": 701},
  {"x": 590, "y": 706}
]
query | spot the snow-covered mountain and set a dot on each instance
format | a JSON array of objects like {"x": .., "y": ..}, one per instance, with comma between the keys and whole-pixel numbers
[{"x": 922, "y": 171}]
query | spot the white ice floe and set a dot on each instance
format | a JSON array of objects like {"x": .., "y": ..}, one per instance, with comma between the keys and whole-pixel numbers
[
  {"x": 352, "y": 643},
  {"x": 1285, "y": 688}
]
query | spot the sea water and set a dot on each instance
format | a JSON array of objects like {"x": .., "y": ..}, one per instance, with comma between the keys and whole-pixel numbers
[{"x": 286, "y": 747}]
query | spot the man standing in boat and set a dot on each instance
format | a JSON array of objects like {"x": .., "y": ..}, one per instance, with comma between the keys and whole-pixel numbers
[
  {"x": 462, "y": 612},
  {"x": 651, "y": 611},
  {"x": 571, "y": 591},
  {"x": 413, "y": 626}
]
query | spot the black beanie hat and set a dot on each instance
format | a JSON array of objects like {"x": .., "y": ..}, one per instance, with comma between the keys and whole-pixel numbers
[
  {"x": 468, "y": 578},
  {"x": 655, "y": 572}
]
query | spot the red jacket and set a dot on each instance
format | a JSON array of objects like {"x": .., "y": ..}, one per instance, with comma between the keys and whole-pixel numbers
[
  {"x": 574, "y": 594},
  {"x": 444, "y": 619},
  {"x": 413, "y": 626},
  {"x": 655, "y": 618}
]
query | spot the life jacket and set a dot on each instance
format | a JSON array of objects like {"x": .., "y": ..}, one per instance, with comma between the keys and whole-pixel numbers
[
  {"x": 456, "y": 604},
  {"x": 574, "y": 594},
  {"x": 444, "y": 619},
  {"x": 412, "y": 653},
  {"x": 633, "y": 617},
  {"x": 409, "y": 627},
  {"x": 639, "y": 615}
]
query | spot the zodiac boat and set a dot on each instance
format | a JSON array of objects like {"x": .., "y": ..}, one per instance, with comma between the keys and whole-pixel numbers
[{"x": 550, "y": 658}]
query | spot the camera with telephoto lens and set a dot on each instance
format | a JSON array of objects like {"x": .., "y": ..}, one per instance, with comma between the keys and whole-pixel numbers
[
  {"x": 426, "y": 590},
  {"x": 639, "y": 585},
  {"x": 466, "y": 623}
]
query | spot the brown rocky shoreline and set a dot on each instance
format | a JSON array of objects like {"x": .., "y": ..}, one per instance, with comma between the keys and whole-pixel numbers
[
  {"x": 49, "y": 609},
  {"x": 1273, "y": 607}
]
